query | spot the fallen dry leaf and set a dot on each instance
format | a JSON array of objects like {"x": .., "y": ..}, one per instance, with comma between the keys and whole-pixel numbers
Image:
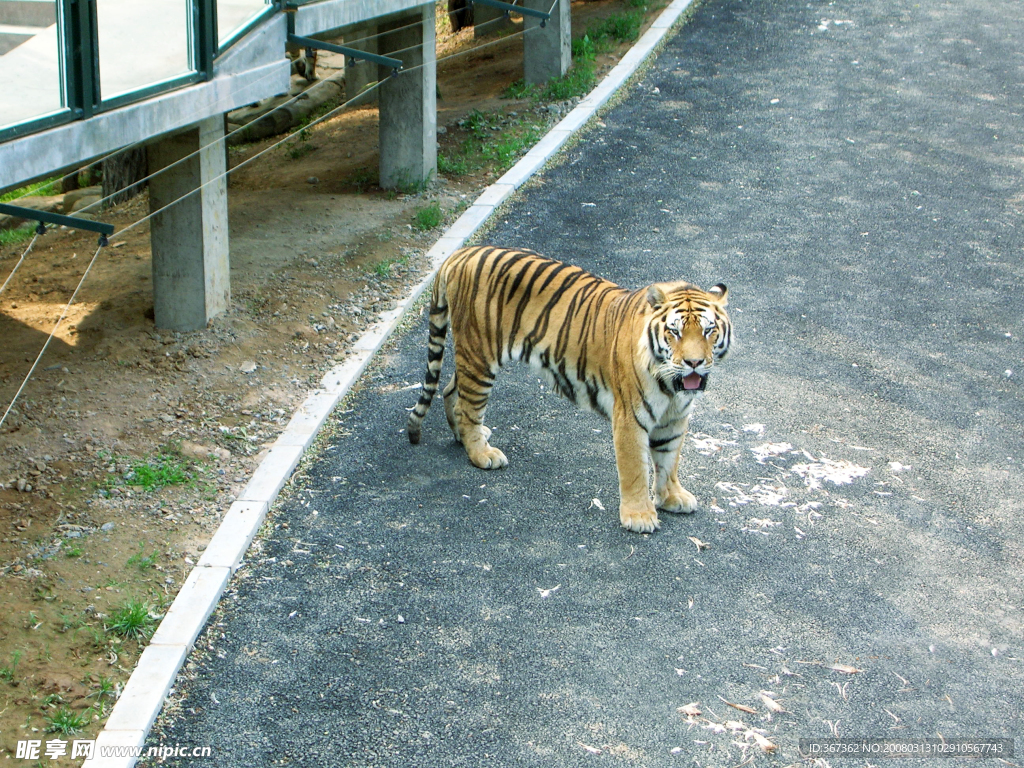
[
  {"x": 762, "y": 742},
  {"x": 845, "y": 669},
  {"x": 690, "y": 710},
  {"x": 741, "y": 707},
  {"x": 698, "y": 543},
  {"x": 590, "y": 749},
  {"x": 771, "y": 703}
]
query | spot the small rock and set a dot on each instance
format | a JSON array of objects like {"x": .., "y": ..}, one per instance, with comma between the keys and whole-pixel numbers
[
  {"x": 249, "y": 366},
  {"x": 312, "y": 180},
  {"x": 106, "y": 527}
]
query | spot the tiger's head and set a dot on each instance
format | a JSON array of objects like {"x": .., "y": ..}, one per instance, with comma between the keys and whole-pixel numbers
[{"x": 688, "y": 331}]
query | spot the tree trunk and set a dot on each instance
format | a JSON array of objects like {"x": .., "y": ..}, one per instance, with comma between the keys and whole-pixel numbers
[
  {"x": 461, "y": 14},
  {"x": 120, "y": 172},
  {"x": 70, "y": 182}
]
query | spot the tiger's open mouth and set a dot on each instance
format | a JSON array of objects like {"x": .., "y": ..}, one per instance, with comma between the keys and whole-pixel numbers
[{"x": 692, "y": 383}]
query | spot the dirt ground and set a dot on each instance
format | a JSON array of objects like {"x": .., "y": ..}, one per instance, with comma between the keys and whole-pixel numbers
[{"x": 129, "y": 442}]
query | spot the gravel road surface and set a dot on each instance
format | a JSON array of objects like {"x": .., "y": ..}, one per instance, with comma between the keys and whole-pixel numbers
[{"x": 852, "y": 171}]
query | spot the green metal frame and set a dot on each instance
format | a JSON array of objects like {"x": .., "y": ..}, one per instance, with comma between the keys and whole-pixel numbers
[
  {"x": 352, "y": 53},
  {"x": 241, "y": 32},
  {"x": 45, "y": 217},
  {"x": 79, "y": 62}
]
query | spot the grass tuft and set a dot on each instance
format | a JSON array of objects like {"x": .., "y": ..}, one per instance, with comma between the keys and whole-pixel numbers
[
  {"x": 18, "y": 235},
  {"x": 158, "y": 472},
  {"x": 8, "y": 671},
  {"x": 142, "y": 561},
  {"x": 66, "y": 722},
  {"x": 132, "y": 620},
  {"x": 428, "y": 217}
]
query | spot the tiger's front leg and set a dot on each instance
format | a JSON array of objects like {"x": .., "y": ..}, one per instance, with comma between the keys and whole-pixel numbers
[
  {"x": 666, "y": 444},
  {"x": 636, "y": 511}
]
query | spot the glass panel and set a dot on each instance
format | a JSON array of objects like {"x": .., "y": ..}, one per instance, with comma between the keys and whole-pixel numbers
[
  {"x": 232, "y": 15},
  {"x": 142, "y": 43},
  {"x": 30, "y": 61}
]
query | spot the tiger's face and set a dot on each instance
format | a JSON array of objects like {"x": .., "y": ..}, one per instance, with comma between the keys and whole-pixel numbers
[{"x": 688, "y": 331}]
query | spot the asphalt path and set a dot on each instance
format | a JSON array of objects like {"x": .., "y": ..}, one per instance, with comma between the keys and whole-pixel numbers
[{"x": 852, "y": 171}]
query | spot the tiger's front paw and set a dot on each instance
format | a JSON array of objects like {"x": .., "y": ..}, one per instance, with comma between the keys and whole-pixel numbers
[
  {"x": 639, "y": 519},
  {"x": 489, "y": 458},
  {"x": 678, "y": 502}
]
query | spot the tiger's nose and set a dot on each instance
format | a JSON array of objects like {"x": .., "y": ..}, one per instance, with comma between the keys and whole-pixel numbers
[{"x": 694, "y": 363}]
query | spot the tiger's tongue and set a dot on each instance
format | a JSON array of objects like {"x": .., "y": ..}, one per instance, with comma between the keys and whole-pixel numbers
[{"x": 692, "y": 381}]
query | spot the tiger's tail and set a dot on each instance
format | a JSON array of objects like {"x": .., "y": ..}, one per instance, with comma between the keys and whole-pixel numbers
[{"x": 439, "y": 318}]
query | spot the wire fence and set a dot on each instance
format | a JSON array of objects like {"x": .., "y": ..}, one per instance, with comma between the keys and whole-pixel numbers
[{"x": 124, "y": 230}]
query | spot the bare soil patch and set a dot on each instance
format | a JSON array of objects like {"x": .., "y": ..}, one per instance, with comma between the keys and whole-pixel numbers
[{"x": 130, "y": 442}]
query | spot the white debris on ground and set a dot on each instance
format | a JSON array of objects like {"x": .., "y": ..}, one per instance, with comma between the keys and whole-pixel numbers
[{"x": 799, "y": 480}]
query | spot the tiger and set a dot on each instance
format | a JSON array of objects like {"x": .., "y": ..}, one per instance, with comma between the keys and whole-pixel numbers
[{"x": 639, "y": 358}]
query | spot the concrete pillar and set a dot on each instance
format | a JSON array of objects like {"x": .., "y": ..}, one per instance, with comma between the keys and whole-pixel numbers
[
  {"x": 408, "y": 101},
  {"x": 547, "y": 50},
  {"x": 487, "y": 20},
  {"x": 191, "y": 281},
  {"x": 360, "y": 74}
]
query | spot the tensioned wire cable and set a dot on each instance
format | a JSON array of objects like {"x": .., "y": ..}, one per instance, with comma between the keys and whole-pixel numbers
[
  {"x": 49, "y": 338},
  {"x": 262, "y": 152},
  {"x": 10, "y": 276}
]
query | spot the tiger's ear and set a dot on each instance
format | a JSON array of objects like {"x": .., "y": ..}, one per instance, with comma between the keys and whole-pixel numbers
[
  {"x": 655, "y": 296},
  {"x": 721, "y": 292}
]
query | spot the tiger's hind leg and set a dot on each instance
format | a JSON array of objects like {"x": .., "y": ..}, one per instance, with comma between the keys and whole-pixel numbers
[
  {"x": 451, "y": 397},
  {"x": 666, "y": 443},
  {"x": 465, "y": 401}
]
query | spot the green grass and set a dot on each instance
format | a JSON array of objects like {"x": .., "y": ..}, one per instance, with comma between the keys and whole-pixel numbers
[
  {"x": 47, "y": 187},
  {"x": 68, "y": 623},
  {"x": 66, "y": 722},
  {"x": 383, "y": 268},
  {"x": 74, "y": 551},
  {"x": 299, "y": 149},
  {"x": 132, "y": 620},
  {"x": 519, "y": 90},
  {"x": 15, "y": 236},
  {"x": 618, "y": 28},
  {"x": 491, "y": 139},
  {"x": 8, "y": 671},
  {"x": 578, "y": 82},
  {"x": 363, "y": 178},
  {"x": 158, "y": 472},
  {"x": 452, "y": 165},
  {"x": 105, "y": 689},
  {"x": 428, "y": 217},
  {"x": 142, "y": 561}
]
